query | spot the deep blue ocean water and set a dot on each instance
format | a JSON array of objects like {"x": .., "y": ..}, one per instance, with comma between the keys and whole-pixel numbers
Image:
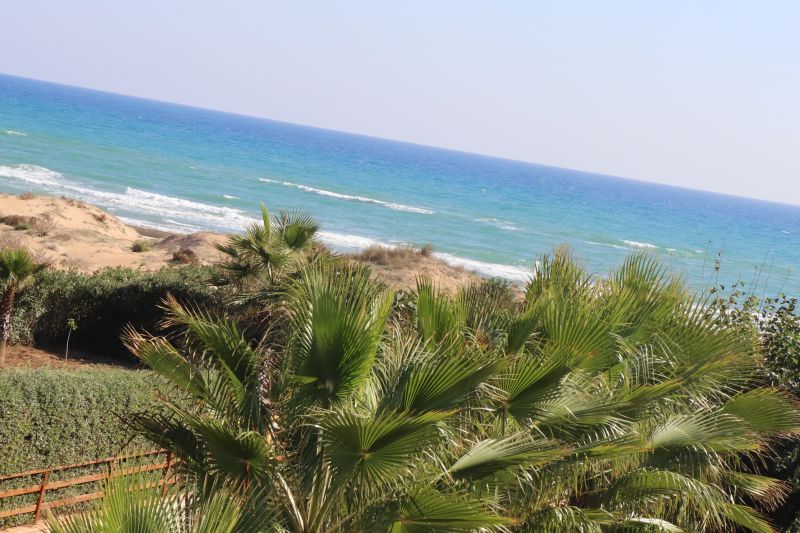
[{"x": 181, "y": 168}]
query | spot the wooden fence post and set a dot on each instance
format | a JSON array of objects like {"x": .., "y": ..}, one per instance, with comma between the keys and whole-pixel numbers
[
  {"x": 166, "y": 473},
  {"x": 40, "y": 499}
]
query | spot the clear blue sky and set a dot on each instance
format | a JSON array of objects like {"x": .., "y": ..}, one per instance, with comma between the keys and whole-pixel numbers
[{"x": 703, "y": 94}]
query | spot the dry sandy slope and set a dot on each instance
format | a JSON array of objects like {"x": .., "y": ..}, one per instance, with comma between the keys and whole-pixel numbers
[{"x": 73, "y": 234}]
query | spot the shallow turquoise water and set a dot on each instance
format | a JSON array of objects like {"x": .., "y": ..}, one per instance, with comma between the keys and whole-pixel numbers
[{"x": 183, "y": 169}]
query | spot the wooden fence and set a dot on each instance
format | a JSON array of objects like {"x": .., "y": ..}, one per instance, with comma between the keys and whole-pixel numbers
[{"x": 43, "y": 476}]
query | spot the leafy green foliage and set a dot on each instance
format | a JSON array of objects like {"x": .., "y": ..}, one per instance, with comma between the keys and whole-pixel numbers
[
  {"x": 103, "y": 303},
  {"x": 17, "y": 270},
  {"x": 137, "y": 503},
  {"x": 266, "y": 251},
  {"x": 590, "y": 404},
  {"x": 141, "y": 246},
  {"x": 54, "y": 417},
  {"x": 773, "y": 323}
]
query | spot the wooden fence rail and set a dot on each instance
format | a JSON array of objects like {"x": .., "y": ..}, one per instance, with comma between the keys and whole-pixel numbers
[{"x": 45, "y": 484}]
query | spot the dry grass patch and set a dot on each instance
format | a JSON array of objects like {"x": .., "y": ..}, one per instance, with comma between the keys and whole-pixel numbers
[
  {"x": 141, "y": 246},
  {"x": 184, "y": 256},
  {"x": 44, "y": 225},
  {"x": 18, "y": 221},
  {"x": 398, "y": 257}
]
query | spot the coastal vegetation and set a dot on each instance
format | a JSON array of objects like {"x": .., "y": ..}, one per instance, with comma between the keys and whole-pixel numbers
[
  {"x": 17, "y": 270},
  {"x": 141, "y": 246},
  {"x": 102, "y": 303},
  {"x": 300, "y": 393},
  {"x": 56, "y": 416}
]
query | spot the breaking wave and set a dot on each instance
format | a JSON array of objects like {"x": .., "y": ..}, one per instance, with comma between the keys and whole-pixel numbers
[
  {"x": 643, "y": 245},
  {"x": 185, "y": 216},
  {"x": 502, "y": 224},
  {"x": 191, "y": 214},
  {"x": 340, "y": 196}
]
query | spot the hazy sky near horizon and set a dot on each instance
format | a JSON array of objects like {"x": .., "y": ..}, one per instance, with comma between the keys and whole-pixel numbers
[{"x": 697, "y": 94}]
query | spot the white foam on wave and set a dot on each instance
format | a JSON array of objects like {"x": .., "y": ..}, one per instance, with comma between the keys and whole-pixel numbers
[
  {"x": 193, "y": 216},
  {"x": 502, "y": 224},
  {"x": 170, "y": 226},
  {"x": 340, "y": 196},
  {"x": 230, "y": 197},
  {"x": 189, "y": 227},
  {"x": 342, "y": 242},
  {"x": 33, "y": 174},
  {"x": 643, "y": 245},
  {"x": 353, "y": 243},
  {"x": 616, "y": 246},
  {"x": 132, "y": 199},
  {"x": 493, "y": 270},
  {"x": 15, "y": 133}
]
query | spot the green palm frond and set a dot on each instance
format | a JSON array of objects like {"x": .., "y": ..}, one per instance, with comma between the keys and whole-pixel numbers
[
  {"x": 438, "y": 317},
  {"x": 558, "y": 278},
  {"x": 17, "y": 268},
  {"x": 768, "y": 411},
  {"x": 296, "y": 230},
  {"x": 140, "y": 503},
  {"x": 491, "y": 456},
  {"x": 232, "y": 454},
  {"x": 338, "y": 315},
  {"x": 521, "y": 391},
  {"x": 428, "y": 511},
  {"x": 375, "y": 451},
  {"x": 439, "y": 380}
]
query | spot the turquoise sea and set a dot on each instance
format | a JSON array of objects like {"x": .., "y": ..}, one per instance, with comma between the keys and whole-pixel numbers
[{"x": 182, "y": 169}]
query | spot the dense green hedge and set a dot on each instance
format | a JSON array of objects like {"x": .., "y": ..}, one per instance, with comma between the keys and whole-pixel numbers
[
  {"x": 103, "y": 303},
  {"x": 53, "y": 417}
]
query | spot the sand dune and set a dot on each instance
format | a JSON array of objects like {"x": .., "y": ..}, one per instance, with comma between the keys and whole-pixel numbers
[{"x": 73, "y": 234}]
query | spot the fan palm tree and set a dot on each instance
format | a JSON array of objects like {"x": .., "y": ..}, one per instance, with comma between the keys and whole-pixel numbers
[
  {"x": 266, "y": 249},
  {"x": 592, "y": 405},
  {"x": 17, "y": 270}
]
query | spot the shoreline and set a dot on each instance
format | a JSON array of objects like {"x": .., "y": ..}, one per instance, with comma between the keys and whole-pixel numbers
[{"x": 73, "y": 234}]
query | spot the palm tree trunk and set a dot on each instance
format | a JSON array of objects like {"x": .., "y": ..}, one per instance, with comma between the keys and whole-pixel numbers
[{"x": 6, "y": 308}]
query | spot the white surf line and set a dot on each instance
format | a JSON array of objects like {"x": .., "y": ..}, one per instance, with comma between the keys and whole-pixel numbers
[{"x": 340, "y": 196}]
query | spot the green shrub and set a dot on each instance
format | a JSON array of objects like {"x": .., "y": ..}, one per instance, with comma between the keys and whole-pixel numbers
[
  {"x": 775, "y": 323},
  {"x": 54, "y": 417},
  {"x": 141, "y": 246},
  {"x": 103, "y": 303}
]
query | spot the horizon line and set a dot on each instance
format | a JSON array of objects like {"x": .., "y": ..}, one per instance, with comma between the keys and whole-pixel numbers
[{"x": 402, "y": 141}]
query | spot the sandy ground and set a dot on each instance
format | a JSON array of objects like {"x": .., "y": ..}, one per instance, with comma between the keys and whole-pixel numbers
[
  {"x": 72, "y": 234},
  {"x": 53, "y": 356}
]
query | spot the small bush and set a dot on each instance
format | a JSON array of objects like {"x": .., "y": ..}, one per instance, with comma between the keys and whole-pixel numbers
[
  {"x": 141, "y": 246},
  {"x": 44, "y": 225},
  {"x": 22, "y": 226},
  {"x": 101, "y": 217},
  {"x": 27, "y": 196},
  {"x": 103, "y": 303},
  {"x": 16, "y": 221},
  {"x": 184, "y": 256},
  {"x": 426, "y": 250}
]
